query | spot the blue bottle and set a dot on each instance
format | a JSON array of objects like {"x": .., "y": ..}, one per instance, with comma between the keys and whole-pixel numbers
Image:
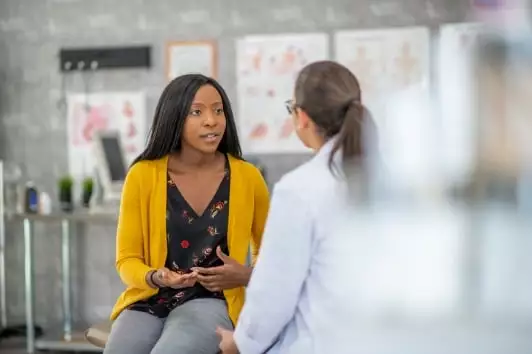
[{"x": 32, "y": 199}]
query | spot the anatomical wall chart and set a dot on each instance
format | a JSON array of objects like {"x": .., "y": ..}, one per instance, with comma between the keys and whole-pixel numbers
[
  {"x": 393, "y": 68},
  {"x": 267, "y": 67},
  {"x": 103, "y": 111}
]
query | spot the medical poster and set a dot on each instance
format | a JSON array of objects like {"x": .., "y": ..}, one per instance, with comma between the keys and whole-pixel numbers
[
  {"x": 267, "y": 67},
  {"x": 385, "y": 61},
  {"x": 456, "y": 47},
  {"x": 393, "y": 68},
  {"x": 103, "y": 111}
]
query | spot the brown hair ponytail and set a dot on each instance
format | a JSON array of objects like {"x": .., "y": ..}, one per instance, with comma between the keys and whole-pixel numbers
[
  {"x": 330, "y": 94},
  {"x": 349, "y": 138}
]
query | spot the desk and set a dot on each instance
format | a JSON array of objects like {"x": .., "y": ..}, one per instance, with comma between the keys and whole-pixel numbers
[{"x": 70, "y": 341}]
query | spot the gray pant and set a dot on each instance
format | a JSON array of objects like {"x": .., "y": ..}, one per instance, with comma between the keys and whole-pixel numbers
[{"x": 189, "y": 329}]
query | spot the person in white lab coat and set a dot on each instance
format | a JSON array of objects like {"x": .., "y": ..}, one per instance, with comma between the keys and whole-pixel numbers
[{"x": 295, "y": 302}]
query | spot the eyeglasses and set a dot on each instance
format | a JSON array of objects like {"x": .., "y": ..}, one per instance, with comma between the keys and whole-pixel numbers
[{"x": 290, "y": 106}]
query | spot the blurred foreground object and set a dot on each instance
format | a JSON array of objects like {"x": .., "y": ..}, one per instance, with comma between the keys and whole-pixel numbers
[
  {"x": 504, "y": 106},
  {"x": 508, "y": 16},
  {"x": 435, "y": 269}
]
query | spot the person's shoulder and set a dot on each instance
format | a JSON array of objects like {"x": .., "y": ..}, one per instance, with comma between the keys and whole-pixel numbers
[
  {"x": 142, "y": 170},
  {"x": 302, "y": 175},
  {"x": 141, "y": 167},
  {"x": 248, "y": 169},
  {"x": 308, "y": 180}
]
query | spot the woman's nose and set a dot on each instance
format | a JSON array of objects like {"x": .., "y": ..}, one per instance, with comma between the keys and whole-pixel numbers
[{"x": 210, "y": 120}]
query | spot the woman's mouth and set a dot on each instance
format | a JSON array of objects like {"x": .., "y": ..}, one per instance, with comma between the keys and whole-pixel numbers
[{"x": 211, "y": 137}]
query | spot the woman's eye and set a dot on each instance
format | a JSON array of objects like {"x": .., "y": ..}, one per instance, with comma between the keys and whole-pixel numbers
[
  {"x": 219, "y": 110},
  {"x": 195, "y": 112}
]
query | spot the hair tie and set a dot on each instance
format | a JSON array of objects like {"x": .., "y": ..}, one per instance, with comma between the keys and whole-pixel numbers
[{"x": 355, "y": 102}]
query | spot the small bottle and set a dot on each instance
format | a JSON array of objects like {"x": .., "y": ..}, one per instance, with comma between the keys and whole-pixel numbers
[
  {"x": 45, "y": 204},
  {"x": 31, "y": 199}
]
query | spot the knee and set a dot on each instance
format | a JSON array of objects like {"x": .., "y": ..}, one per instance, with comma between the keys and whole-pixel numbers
[
  {"x": 129, "y": 343},
  {"x": 189, "y": 345},
  {"x": 133, "y": 333},
  {"x": 128, "y": 346},
  {"x": 169, "y": 347}
]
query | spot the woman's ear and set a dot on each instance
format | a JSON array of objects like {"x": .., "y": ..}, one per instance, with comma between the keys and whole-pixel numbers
[{"x": 303, "y": 120}]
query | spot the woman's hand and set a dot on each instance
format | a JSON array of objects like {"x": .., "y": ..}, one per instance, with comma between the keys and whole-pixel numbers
[
  {"x": 167, "y": 278},
  {"x": 230, "y": 275},
  {"x": 227, "y": 343}
]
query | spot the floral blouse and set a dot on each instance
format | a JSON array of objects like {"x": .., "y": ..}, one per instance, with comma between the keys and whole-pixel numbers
[{"x": 192, "y": 241}]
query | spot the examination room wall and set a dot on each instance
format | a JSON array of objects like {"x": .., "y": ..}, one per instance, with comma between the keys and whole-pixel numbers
[{"x": 33, "y": 130}]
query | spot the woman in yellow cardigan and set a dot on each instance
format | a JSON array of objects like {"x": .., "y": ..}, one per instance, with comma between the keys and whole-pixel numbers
[{"x": 190, "y": 210}]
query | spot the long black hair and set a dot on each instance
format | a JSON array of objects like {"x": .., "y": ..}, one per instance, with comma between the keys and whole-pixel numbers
[
  {"x": 172, "y": 110},
  {"x": 330, "y": 94}
]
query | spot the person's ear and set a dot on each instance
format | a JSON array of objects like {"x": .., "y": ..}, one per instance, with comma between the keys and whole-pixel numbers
[{"x": 303, "y": 120}]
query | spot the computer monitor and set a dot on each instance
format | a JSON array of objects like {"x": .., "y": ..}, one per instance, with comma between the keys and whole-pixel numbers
[{"x": 111, "y": 165}]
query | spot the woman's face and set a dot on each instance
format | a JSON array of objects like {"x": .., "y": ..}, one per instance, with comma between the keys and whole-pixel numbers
[
  {"x": 300, "y": 122},
  {"x": 205, "y": 123}
]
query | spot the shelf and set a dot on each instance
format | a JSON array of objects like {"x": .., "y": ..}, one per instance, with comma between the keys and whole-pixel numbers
[
  {"x": 98, "y": 217},
  {"x": 57, "y": 343}
]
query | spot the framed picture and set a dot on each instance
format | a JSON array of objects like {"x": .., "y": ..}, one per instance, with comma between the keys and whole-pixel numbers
[{"x": 187, "y": 57}]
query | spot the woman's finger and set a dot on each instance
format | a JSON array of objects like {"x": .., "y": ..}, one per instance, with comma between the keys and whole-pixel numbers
[
  {"x": 208, "y": 278},
  {"x": 213, "y": 288},
  {"x": 211, "y": 285},
  {"x": 186, "y": 277},
  {"x": 174, "y": 277},
  {"x": 209, "y": 271},
  {"x": 190, "y": 278},
  {"x": 183, "y": 283},
  {"x": 208, "y": 282}
]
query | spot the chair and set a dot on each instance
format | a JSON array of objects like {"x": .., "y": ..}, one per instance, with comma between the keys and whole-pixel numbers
[{"x": 98, "y": 334}]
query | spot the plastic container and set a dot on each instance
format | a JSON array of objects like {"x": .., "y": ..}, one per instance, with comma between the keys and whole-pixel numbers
[{"x": 31, "y": 200}]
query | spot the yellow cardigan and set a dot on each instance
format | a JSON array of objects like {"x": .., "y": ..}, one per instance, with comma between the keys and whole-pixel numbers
[{"x": 141, "y": 234}]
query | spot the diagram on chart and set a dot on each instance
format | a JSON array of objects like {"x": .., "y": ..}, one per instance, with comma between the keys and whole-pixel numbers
[
  {"x": 406, "y": 66},
  {"x": 363, "y": 67},
  {"x": 123, "y": 112},
  {"x": 259, "y": 131},
  {"x": 267, "y": 67},
  {"x": 89, "y": 119},
  {"x": 252, "y": 63},
  {"x": 287, "y": 128},
  {"x": 290, "y": 60},
  {"x": 386, "y": 62}
]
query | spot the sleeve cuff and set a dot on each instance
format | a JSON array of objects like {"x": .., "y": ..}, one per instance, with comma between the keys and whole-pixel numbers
[{"x": 245, "y": 344}]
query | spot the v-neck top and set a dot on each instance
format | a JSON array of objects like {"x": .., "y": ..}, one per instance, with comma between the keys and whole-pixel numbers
[
  {"x": 141, "y": 234},
  {"x": 192, "y": 240}
]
